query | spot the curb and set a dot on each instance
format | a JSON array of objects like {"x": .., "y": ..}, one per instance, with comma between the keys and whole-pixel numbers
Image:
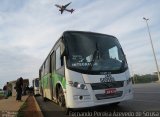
[
  {"x": 23, "y": 103},
  {"x": 21, "y": 107},
  {"x": 38, "y": 108}
]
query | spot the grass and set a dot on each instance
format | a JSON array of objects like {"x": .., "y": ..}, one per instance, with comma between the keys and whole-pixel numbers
[
  {"x": 21, "y": 112},
  {"x": 1, "y": 94}
]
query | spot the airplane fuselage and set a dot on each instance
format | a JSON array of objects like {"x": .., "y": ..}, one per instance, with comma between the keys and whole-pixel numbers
[{"x": 63, "y": 8}]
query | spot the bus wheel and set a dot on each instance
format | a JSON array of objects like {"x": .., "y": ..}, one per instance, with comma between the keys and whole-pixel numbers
[{"x": 61, "y": 100}]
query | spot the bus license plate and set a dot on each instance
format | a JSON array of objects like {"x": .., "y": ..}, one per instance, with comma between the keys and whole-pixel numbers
[{"x": 110, "y": 91}]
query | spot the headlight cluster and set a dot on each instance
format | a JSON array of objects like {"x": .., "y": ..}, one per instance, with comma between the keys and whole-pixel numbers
[
  {"x": 78, "y": 85},
  {"x": 129, "y": 80}
]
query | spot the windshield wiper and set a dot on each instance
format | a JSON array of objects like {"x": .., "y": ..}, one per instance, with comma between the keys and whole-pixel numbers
[{"x": 96, "y": 54}]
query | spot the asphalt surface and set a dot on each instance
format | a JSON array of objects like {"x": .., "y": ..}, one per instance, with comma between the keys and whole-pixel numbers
[{"x": 146, "y": 99}]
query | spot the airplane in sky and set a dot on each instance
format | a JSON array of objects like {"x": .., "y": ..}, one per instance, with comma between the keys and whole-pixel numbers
[{"x": 64, "y": 8}]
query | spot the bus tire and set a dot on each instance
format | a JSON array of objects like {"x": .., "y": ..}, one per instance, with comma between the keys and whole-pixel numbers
[
  {"x": 67, "y": 111},
  {"x": 61, "y": 101}
]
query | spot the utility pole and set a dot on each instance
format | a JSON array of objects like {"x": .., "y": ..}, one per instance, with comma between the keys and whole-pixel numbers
[{"x": 152, "y": 48}]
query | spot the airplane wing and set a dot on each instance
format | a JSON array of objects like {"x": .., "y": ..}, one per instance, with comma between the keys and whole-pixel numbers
[
  {"x": 58, "y": 6},
  {"x": 67, "y": 4},
  {"x": 70, "y": 10}
]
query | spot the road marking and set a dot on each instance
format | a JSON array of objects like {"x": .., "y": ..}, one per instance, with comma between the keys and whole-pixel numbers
[{"x": 147, "y": 101}]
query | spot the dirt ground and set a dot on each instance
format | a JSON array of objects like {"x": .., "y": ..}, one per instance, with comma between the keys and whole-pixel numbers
[{"x": 30, "y": 109}]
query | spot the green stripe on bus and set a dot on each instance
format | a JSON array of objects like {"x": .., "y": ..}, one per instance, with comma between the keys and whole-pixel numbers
[
  {"x": 45, "y": 79},
  {"x": 58, "y": 78},
  {"x": 55, "y": 79}
]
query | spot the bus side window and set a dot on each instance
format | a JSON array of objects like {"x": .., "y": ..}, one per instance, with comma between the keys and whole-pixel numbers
[
  {"x": 53, "y": 62},
  {"x": 43, "y": 70},
  {"x": 59, "y": 65},
  {"x": 58, "y": 58},
  {"x": 62, "y": 53},
  {"x": 47, "y": 66}
]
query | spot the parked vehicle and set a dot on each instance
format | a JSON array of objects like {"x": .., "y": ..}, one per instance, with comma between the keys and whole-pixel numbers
[
  {"x": 86, "y": 69},
  {"x": 36, "y": 89}
]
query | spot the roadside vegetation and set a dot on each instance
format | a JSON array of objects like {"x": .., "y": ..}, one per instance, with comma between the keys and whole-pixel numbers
[
  {"x": 21, "y": 110},
  {"x": 144, "y": 78},
  {"x": 29, "y": 109},
  {"x": 1, "y": 95}
]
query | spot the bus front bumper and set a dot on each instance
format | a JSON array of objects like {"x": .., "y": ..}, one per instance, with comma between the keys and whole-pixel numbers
[{"x": 91, "y": 103}]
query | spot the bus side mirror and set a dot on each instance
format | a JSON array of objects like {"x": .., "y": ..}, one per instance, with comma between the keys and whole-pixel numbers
[
  {"x": 64, "y": 53},
  {"x": 62, "y": 60}
]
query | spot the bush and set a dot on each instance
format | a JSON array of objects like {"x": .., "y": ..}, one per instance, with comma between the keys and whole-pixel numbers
[{"x": 144, "y": 78}]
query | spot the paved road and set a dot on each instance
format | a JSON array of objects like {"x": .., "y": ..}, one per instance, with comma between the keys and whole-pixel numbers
[{"x": 146, "y": 98}]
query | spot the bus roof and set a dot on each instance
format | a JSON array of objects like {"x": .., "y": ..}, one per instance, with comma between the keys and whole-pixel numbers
[{"x": 70, "y": 31}]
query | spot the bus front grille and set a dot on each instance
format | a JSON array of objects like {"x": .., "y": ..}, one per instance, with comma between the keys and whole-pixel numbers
[
  {"x": 108, "y": 96},
  {"x": 106, "y": 85}
]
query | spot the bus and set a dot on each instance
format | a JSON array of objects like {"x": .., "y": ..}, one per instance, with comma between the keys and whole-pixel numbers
[
  {"x": 36, "y": 87},
  {"x": 85, "y": 69}
]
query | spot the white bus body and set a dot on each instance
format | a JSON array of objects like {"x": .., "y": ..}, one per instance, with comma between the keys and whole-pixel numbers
[
  {"x": 86, "y": 69},
  {"x": 36, "y": 88}
]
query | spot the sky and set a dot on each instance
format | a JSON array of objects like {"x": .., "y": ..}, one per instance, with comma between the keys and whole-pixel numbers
[{"x": 30, "y": 28}]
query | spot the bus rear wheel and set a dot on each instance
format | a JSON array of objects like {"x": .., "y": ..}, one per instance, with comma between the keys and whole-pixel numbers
[{"x": 61, "y": 100}]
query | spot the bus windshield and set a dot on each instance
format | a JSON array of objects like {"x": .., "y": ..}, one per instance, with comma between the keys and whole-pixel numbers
[{"x": 94, "y": 52}]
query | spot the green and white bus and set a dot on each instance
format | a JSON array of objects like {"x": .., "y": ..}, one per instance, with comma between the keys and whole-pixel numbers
[{"x": 86, "y": 69}]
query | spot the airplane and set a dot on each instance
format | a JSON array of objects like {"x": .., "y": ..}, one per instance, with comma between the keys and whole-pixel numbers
[{"x": 63, "y": 8}]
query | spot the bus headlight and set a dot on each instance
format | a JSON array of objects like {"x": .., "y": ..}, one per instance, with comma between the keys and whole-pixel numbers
[
  {"x": 81, "y": 86},
  {"x": 129, "y": 81},
  {"x": 78, "y": 85}
]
